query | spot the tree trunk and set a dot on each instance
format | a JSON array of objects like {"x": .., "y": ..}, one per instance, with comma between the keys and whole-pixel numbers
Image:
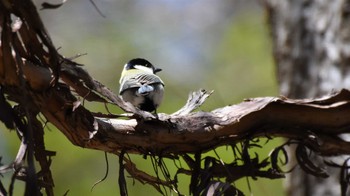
[{"x": 312, "y": 54}]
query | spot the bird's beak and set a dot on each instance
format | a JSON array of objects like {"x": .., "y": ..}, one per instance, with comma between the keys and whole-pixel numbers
[{"x": 157, "y": 70}]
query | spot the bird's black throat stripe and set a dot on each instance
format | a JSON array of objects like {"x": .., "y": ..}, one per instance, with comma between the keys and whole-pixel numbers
[{"x": 147, "y": 105}]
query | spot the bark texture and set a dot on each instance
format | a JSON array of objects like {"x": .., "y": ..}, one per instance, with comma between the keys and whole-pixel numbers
[{"x": 311, "y": 48}]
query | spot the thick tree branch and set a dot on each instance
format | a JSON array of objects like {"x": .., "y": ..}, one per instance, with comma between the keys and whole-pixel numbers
[{"x": 323, "y": 119}]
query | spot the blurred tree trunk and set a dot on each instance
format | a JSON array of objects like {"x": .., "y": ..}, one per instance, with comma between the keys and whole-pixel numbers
[{"x": 311, "y": 46}]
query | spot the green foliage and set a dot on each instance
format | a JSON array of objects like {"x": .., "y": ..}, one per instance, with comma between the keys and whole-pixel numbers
[{"x": 243, "y": 62}]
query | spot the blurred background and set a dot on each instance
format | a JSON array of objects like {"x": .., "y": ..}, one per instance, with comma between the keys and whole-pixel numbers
[{"x": 216, "y": 45}]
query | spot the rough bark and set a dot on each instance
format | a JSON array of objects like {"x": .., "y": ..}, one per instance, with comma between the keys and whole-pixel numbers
[
  {"x": 176, "y": 134},
  {"x": 312, "y": 51}
]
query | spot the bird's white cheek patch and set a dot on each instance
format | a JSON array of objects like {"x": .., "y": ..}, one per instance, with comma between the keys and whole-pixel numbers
[{"x": 145, "y": 69}]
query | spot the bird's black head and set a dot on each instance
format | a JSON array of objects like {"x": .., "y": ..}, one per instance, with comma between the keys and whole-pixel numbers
[{"x": 142, "y": 62}]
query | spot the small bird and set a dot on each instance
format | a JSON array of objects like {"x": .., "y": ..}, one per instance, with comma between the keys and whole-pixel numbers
[{"x": 140, "y": 86}]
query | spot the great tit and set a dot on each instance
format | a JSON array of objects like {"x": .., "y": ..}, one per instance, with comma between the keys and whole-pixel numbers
[{"x": 140, "y": 86}]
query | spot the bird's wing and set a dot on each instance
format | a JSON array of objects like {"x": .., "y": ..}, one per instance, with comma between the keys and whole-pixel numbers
[{"x": 138, "y": 80}]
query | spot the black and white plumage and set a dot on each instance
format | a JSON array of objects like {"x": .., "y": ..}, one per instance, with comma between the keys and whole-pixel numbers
[{"x": 140, "y": 86}]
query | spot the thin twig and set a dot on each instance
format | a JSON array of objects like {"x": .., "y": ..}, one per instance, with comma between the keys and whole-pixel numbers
[
  {"x": 121, "y": 179},
  {"x": 98, "y": 10},
  {"x": 106, "y": 174}
]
